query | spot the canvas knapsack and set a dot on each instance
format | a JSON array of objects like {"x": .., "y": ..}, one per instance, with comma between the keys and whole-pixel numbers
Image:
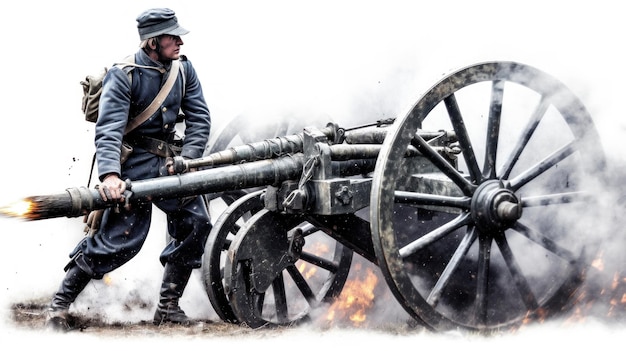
[
  {"x": 92, "y": 86},
  {"x": 92, "y": 89}
]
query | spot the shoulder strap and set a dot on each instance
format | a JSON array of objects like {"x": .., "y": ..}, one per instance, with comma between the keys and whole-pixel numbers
[
  {"x": 158, "y": 100},
  {"x": 184, "y": 75},
  {"x": 130, "y": 61}
]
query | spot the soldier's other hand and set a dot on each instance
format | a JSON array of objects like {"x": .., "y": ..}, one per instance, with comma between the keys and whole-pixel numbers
[
  {"x": 112, "y": 188},
  {"x": 177, "y": 165},
  {"x": 169, "y": 165}
]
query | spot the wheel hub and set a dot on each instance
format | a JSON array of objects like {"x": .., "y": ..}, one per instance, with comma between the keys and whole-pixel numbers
[{"x": 494, "y": 207}]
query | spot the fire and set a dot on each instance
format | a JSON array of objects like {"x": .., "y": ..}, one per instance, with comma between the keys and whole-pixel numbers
[
  {"x": 356, "y": 298},
  {"x": 598, "y": 262},
  {"x": 306, "y": 270},
  {"x": 605, "y": 296},
  {"x": 19, "y": 208},
  {"x": 40, "y": 207}
]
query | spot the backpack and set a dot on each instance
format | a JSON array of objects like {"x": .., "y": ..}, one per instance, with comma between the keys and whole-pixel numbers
[{"x": 92, "y": 88}]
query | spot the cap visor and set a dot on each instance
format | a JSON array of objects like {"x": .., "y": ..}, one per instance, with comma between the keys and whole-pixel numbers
[{"x": 178, "y": 31}]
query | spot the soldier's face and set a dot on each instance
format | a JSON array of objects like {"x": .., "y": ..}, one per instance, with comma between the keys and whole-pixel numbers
[{"x": 170, "y": 47}]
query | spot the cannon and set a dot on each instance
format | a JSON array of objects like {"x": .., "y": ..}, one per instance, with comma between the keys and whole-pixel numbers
[{"x": 474, "y": 205}]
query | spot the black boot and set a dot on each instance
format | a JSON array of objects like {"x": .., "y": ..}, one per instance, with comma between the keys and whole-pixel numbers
[
  {"x": 175, "y": 280},
  {"x": 75, "y": 281}
]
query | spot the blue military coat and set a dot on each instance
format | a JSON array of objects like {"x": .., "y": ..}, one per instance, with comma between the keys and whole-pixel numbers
[{"x": 122, "y": 98}]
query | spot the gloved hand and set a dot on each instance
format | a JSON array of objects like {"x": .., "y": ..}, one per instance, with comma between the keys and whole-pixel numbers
[{"x": 92, "y": 222}]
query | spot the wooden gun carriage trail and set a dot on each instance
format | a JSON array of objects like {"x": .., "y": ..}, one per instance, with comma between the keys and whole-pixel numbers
[{"x": 473, "y": 205}]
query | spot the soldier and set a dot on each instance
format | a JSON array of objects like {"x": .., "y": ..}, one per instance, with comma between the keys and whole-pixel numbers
[{"x": 122, "y": 230}]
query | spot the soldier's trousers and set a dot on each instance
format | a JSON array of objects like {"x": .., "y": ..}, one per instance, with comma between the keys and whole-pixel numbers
[{"x": 122, "y": 234}]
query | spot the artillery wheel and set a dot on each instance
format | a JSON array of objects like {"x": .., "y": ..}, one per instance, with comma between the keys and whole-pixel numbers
[
  {"x": 280, "y": 267},
  {"x": 218, "y": 242},
  {"x": 492, "y": 246}
]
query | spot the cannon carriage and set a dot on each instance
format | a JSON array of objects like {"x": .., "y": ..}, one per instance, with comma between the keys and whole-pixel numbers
[
  {"x": 475, "y": 206},
  {"x": 473, "y": 225}
]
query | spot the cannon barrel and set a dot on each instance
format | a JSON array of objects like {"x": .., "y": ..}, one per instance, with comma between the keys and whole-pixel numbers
[
  {"x": 352, "y": 152},
  {"x": 340, "y": 139},
  {"x": 262, "y": 150},
  {"x": 78, "y": 201}
]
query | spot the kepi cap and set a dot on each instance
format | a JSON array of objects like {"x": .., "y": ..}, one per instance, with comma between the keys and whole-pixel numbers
[{"x": 154, "y": 22}]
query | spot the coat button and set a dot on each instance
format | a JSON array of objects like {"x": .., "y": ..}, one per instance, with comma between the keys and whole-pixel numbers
[{"x": 164, "y": 109}]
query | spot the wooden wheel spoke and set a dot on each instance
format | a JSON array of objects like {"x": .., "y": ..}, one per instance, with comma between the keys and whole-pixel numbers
[
  {"x": 518, "y": 277},
  {"x": 435, "y": 235},
  {"x": 259, "y": 301},
  {"x": 318, "y": 261},
  {"x": 543, "y": 166},
  {"x": 544, "y": 242},
  {"x": 464, "y": 140},
  {"x": 527, "y": 133},
  {"x": 407, "y": 197},
  {"x": 280, "y": 298},
  {"x": 482, "y": 278},
  {"x": 444, "y": 166},
  {"x": 461, "y": 251},
  {"x": 555, "y": 199},
  {"x": 302, "y": 285},
  {"x": 493, "y": 129}
]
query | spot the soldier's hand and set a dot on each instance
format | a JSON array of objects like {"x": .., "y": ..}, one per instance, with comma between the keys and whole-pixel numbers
[
  {"x": 176, "y": 165},
  {"x": 112, "y": 189},
  {"x": 169, "y": 165}
]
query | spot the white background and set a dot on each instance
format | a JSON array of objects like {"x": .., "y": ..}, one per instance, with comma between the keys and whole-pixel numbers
[{"x": 341, "y": 60}]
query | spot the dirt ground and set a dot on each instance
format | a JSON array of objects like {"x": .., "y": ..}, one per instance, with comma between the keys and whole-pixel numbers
[{"x": 32, "y": 315}]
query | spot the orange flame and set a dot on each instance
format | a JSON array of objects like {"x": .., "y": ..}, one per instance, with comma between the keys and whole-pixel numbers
[
  {"x": 356, "y": 298},
  {"x": 307, "y": 270},
  {"x": 598, "y": 262},
  {"x": 19, "y": 208},
  {"x": 607, "y": 298}
]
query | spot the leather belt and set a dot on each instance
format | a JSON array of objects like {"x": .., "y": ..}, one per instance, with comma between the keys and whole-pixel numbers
[{"x": 154, "y": 146}]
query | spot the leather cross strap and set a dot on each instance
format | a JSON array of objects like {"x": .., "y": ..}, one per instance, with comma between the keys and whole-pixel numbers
[{"x": 158, "y": 100}]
